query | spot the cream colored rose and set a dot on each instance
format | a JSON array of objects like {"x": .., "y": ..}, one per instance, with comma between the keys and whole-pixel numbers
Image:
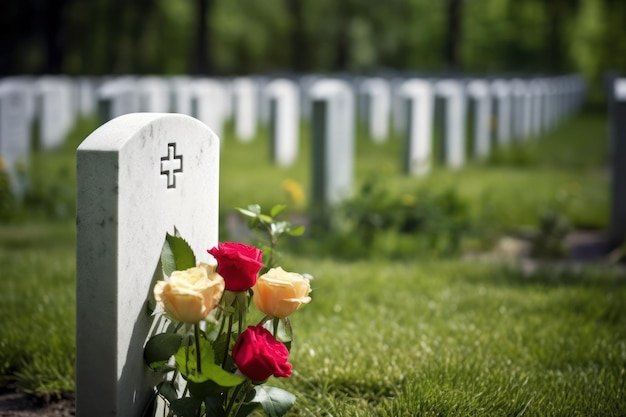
[
  {"x": 278, "y": 293},
  {"x": 190, "y": 295}
]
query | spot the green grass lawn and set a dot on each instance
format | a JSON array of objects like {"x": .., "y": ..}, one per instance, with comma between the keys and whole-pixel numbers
[{"x": 440, "y": 337}]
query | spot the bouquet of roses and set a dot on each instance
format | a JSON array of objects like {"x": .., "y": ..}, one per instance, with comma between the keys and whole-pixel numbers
[{"x": 212, "y": 363}]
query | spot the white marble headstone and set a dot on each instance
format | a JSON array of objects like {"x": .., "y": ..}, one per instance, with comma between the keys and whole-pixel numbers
[
  {"x": 245, "y": 95},
  {"x": 208, "y": 103},
  {"x": 56, "y": 110},
  {"x": 118, "y": 96},
  {"x": 227, "y": 87},
  {"x": 378, "y": 101},
  {"x": 139, "y": 176},
  {"x": 537, "y": 90},
  {"x": 398, "y": 105},
  {"x": 284, "y": 100},
  {"x": 332, "y": 141},
  {"x": 478, "y": 91},
  {"x": 502, "y": 94},
  {"x": 418, "y": 97},
  {"x": 521, "y": 108},
  {"x": 306, "y": 82},
  {"x": 154, "y": 94},
  {"x": 15, "y": 132},
  {"x": 86, "y": 95},
  {"x": 263, "y": 100},
  {"x": 180, "y": 94},
  {"x": 454, "y": 98}
]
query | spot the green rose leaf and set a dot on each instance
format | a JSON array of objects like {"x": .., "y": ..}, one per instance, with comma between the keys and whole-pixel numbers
[
  {"x": 219, "y": 376},
  {"x": 245, "y": 212},
  {"x": 186, "y": 407},
  {"x": 277, "y": 209},
  {"x": 187, "y": 364},
  {"x": 296, "y": 231},
  {"x": 167, "y": 390},
  {"x": 160, "y": 348},
  {"x": 204, "y": 389},
  {"x": 275, "y": 401},
  {"x": 265, "y": 218},
  {"x": 176, "y": 255},
  {"x": 168, "y": 262}
]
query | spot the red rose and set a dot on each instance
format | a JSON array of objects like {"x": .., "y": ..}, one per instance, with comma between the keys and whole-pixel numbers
[
  {"x": 259, "y": 355},
  {"x": 238, "y": 264}
]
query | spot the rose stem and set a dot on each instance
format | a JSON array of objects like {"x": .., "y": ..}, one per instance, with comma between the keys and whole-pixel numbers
[
  {"x": 196, "y": 328},
  {"x": 230, "y": 329},
  {"x": 233, "y": 398},
  {"x": 275, "y": 322}
]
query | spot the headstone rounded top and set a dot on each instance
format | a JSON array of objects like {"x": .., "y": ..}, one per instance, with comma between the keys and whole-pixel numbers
[
  {"x": 620, "y": 89},
  {"x": 330, "y": 86},
  {"x": 415, "y": 86},
  {"x": 113, "y": 135},
  {"x": 376, "y": 85},
  {"x": 278, "y": 85},
  {"x": 519, "y": 86},
  {"x": 500, "y": 87},
  {"x": 478, "y": 88},
  {"x": 114, "y": 86},
  {"x": 448, "y": 87}
]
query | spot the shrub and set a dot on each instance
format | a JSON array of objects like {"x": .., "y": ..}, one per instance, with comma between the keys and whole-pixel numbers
[{"x": 377, "y": 222}]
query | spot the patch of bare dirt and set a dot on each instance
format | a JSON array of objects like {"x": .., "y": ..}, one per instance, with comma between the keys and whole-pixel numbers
[{"x": 19, "y": 404}]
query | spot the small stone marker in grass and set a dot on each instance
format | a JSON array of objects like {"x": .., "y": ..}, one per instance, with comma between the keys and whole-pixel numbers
[{"x": 139, "y": 176}]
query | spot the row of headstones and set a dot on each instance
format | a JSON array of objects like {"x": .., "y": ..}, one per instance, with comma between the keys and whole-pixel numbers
[
  {"x": 520, "y": 108},
  {"x": 503, "y": 110},
  {"x": 46, "y": 107}
]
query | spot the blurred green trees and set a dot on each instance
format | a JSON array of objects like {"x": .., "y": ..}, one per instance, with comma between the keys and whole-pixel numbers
[{"x": 244, "y": 36}]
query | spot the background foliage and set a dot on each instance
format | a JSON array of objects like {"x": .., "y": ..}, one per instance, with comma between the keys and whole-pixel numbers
[{"x": 223, "y": 37}]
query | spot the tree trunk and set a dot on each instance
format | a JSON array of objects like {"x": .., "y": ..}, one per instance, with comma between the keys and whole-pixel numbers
[
  {"x": 342, "y": 41},
  {"x": 452, "y": 53},
  {"x": 202, "y": 62},
  {"x": 299, "y": 47},
  {"x": 53, "y": 36}
]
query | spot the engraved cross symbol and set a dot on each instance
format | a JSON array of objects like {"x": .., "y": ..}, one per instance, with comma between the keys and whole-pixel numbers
[{"x": 171, "y": 165}]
